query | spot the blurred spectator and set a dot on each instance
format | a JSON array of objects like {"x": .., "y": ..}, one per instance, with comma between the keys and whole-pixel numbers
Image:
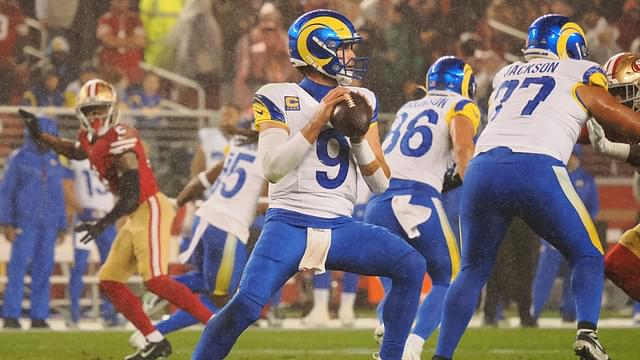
[
  {"x": 122, "y": 36},
  {"x": 146, "y": 98},
  {"x": 629, "y": 24},
  {"x": 46, "y": 91},
  {"x": 551, "y": 262},
  {"x": 59, "y": 60},
  {"x": 32, "y": 215},
  {"x": 263, "y": 56},
  {"x": 195, "y": 48},
  {"x": 602, "y": 37},
  {"x": 56, "y": 16},
  {"x": 12, "y": 29},
  {"x": 158, "y": 18},
  {"x": 87, "y": 72}
]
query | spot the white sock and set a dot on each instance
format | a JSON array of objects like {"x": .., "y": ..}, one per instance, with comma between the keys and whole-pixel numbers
[
  {"x": 321, "y": 299},
  {"x": 347, "y": 300},
  {"x": 415, "y": 341},
  {"x": 154, "y": 337}
]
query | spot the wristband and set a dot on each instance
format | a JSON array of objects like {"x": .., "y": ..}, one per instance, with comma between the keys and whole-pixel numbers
[
  {"x": 362, "y": 151},
  {"x": 202, "y": 176}
]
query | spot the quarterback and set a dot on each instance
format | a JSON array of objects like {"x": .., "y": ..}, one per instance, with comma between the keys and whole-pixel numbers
[
  {"x": 115, "y": 151},
  {"x": 536, "y": 112},
  {"x": 312, "y": 169}
]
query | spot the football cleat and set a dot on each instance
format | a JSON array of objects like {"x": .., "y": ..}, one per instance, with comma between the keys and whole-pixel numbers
[
  {"x": 347, "y": 316},
  {"x": 587, "y": 346},
  {"x": 378, "y": 334},
  {"x": 137, "y": 340},
  {"x": 376, "y": 356},
  {"x": 11, "y": 323},
  {"x": 153, "y": 350}
]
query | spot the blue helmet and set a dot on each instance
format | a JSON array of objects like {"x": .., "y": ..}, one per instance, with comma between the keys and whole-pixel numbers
[
  {"x": 554, "y": 35},
  {"x": 453, "y": 74},
  {"x": 317, "y": 39}
]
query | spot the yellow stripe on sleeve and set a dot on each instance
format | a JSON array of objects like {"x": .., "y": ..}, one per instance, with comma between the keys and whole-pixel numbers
[
  {"x": 469, "y": 110},
  {"x": 574, "y": 199},
  {"x": 454, "y": 253}
]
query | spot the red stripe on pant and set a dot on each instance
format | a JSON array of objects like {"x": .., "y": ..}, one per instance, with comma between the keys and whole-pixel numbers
[{"x": 622, "y": 266}]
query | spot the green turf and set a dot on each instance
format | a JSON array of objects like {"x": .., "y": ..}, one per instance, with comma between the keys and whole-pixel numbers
[{"x": 260, "y": 344}]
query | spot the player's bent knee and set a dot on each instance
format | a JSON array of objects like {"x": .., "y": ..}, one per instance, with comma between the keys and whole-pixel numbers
[
  {"x": 250, "y": 309},
  {"x": 410, "y": 267}
]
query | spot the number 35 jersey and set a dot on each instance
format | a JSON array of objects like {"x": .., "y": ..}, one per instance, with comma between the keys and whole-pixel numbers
[
  {"x": 324, "y": 183},
  {"x": 418, "y": 147},
  {"x": 534, "y": 107},
  {"x": 235, "y": 193}
]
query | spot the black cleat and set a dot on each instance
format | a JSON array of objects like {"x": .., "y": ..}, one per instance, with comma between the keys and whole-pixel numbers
[
  {"x": 153, "y": 350},
  {"x": 11, "y": 323},
  {"x": 587, "y": 346},
  {"x": 39, "y": 324}
]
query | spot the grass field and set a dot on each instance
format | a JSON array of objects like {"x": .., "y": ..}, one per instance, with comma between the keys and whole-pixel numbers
[{"x": 267, "y": 344}]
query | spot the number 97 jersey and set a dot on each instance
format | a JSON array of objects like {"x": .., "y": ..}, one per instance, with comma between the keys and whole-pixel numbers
[
  {"x": 418, "y": 147},
  {"x": 534, "y": 107}
]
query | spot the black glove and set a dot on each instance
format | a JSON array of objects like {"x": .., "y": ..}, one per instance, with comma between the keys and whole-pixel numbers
[
  {"x": 452, "y": 180},
  {"x": 93, "y": 229},
  {"x": 31, "y": 122}
]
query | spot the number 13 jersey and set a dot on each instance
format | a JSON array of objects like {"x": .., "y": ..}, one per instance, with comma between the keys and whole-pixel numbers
[
  {"x": 324, "y": 183},
  {"x": 534, "y": 107}
]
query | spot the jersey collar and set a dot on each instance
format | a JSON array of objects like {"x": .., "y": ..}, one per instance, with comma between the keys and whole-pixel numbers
[{"x": 317, "y": 91}]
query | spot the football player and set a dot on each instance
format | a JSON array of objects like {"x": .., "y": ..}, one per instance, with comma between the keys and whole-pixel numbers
[
  {"x": 428, "y": 134},
  {"x": 217, "y": 249},
  {"x": 536, "y": 112},
  {"x": 622, "y": 263},
  {"x": 142, "y": 244},
  {"x": 312, "y": 169}
]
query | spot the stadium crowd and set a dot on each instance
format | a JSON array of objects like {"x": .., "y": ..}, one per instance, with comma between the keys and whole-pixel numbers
[{"x": 233, "y": 47}]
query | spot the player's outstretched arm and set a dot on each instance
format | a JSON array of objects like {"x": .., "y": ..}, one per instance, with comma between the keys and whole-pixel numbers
[
  {"x": 66, "y": 147},
  {"x": 461, "y": 131},
  {"x": 198, "y": 184},
  {"x": 627, "y": 152},
  {"x": 129, "y": 191},
  {"x": 610, "y": 113},
  {"x": 370, "y": 159}
]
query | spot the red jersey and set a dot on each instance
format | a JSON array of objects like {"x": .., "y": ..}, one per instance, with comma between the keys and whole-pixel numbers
[
  {"x": 126, "y": 59},
  {"x": 11, "y": 25},
  {"x": 104, "y": 153}
]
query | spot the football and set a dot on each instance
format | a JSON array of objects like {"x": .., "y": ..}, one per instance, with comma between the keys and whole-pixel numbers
[{"x": 352, "y": 116}]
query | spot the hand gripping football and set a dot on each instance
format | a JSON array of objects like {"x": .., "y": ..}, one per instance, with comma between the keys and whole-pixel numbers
[{"x": 352, "y": 116}]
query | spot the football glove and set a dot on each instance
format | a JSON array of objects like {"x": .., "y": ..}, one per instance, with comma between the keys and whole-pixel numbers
[
  {"x": 452, "y": 180},
  {"x": 93, "y": 230},
  {"x": 31, "y": 122},
  {"x": 604, "y": 146}
]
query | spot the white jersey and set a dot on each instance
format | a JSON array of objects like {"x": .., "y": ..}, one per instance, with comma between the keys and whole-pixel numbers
[
  {"x": 324, "y": 183},
  {"x": 534, "y": 107},
  {"x": 418, "y": 147},
  {"x": 234, "y": 195},
  {"x": 213, "y": 143},
  {"x": 90, "y": 192}
]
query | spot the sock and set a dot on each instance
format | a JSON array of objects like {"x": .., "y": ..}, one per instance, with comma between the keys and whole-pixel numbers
[
  {"x": 321, "y": 298},
  {"x": 623, "y": 268},
  {"x": 415, "y": 341},
  {"x": 347, "y": 300},
  {"x": 588, "y": 292},
  {"x": 154, "y": 337},
  {"x": 182, "y": 319},
  {"x": 179, "y": 295},
  {"x": 223, "y": 330},
  {"x": 127, "y": 304},
  {"x": 430, "y": 311},
  {"x": 585, "y": 326},
  {"x": 401, "y": 304}
]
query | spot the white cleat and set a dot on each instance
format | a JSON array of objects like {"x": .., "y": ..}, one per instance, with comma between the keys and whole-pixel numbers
[
  {"x": 413, "y": 348},
  {"x": 137, "y": 340},
  {"x": 587, "y": 346},
  {"x": 317, "y": 317},
  {"x": 376, "y": 356},
  {"x": 378, "y": 334}
]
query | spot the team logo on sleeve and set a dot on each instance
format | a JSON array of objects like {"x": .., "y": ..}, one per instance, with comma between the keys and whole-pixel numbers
[{"x": 291, "y": 103}]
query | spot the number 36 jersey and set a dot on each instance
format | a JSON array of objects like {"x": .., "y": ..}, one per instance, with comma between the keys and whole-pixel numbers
[
  {"x": 418, "y": 147},
  {"x": 324, "y": 183},
  {"x": 534, "y": 107}
]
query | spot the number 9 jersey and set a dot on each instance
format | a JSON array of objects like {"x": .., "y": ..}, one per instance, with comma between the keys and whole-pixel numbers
[
  {"x": 418, "y": 147},
  {"x": 324, "y": 183},
  {"x": 534, "y": 107}
]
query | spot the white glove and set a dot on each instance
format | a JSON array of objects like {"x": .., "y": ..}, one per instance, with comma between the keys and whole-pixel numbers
[{"x": 604, "y": 146}]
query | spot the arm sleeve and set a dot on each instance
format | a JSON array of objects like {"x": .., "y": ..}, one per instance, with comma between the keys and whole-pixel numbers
[
  {"x": 279, "y": 154},
  {"x": 129, "y": 197},
  {"x": 8, "y": 189}
]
